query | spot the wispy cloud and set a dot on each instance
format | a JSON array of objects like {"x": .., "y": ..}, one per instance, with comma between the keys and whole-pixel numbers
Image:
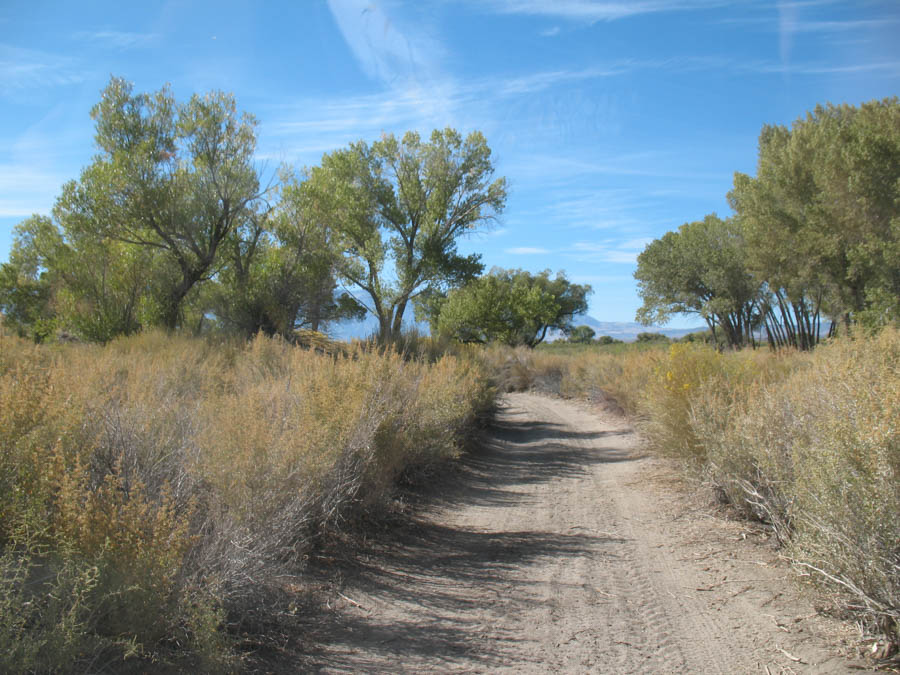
[
  {"x": 25, "y": 190},
  {"x": 22, "y": 69},
  {"x": 306, "y": 128},
  {"x": 551, "y": 32},
  {"x": 886, "y": 67},
  {"x": 387, "y": 50},
  {"x": 541, "y": 81},
  {"x": 842, "y": 26},
  {"x": 792, "y": 20},
  {"x": 527, "y": 250},
  {"x": 609, "y": 251},
  {"x": 117, "y": 39},
  {"x": 316, "y": 125},
  {"x": 405, "y": 58},
  {"x": 490, "y": 233},
  {"x": 596, "y": 10}
]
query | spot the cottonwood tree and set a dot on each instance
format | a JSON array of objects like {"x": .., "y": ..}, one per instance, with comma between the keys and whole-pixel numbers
[
  {"x": 582, "y": 334},
  {"x": 279, "y": 273},
  {"x": 700, "y": 269},
  {"x": 399, "y": 208},
  {"x": 174, "y": 178},
  {"x": 59, "y": 279},
  {"x": 513, "y": 307},
  {"x": 822, "y": 217},
  {"x": 26, "y": 285}
]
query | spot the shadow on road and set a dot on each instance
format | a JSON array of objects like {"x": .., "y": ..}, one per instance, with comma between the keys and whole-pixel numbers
[{"x": 450, "y": 574}]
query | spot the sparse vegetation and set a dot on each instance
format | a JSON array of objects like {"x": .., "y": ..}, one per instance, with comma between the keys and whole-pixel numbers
[
  {"x": 806, "y": 443},
  {"x": 159, "y": 493}
]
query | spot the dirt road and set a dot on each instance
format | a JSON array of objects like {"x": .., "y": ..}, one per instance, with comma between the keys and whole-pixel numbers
[{"x": 559, "y": 548}]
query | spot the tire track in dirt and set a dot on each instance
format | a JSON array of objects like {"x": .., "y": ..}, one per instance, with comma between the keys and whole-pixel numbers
[{"x": 552, "y": 551}]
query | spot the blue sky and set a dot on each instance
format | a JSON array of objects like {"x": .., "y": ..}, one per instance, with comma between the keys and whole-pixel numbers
[{"x": 614, "y": 122}]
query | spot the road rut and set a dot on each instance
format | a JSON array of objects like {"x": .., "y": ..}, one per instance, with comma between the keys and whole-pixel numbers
[{"x": 559, "y": 547}]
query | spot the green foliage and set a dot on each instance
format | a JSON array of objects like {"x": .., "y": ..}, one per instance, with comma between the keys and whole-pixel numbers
[
  {"x": 700, "y": 269},
  {"x": 513, "y": 307},
  {"x": 174, "y": 178},
  {"x": 143, "y": 224},
  {"x": 704, "y": 336},
  {"x": 582, "y": 334},
  {"x": 821, "y": 217},
  {"x": 44, "y": 610},
  {"x": 279, "y": 271},
  {"x": 401, "y": 206},
  {"x": 652, "y": 337},
  {"x": 816, "y": 231},
  {"x": 168, "y": 226},
  {"x": 26, "y": 288}
]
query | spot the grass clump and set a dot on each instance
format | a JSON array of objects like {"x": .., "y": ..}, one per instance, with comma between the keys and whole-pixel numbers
[
  {"x": 159, "y": 494},
  {"x": 817, "y": 455}
]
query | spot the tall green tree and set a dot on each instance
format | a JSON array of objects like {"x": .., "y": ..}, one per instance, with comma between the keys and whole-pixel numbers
[
  {"x": 82, "y": 284},
  {"x": 26, "y": 285},
  {"x": 582, "y": 334},
  {"x": 174, "y": 178},
  {"x": 700, "y": 269},
  {"x": 399, "y": 208},
  {"x": 822, "y": 216},
  {"x": 280, "y": 273},
  {"x": 513, "y": 307}
]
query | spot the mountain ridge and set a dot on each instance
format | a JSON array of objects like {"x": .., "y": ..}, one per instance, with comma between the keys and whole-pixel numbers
[{"x": 627, "y": 331}]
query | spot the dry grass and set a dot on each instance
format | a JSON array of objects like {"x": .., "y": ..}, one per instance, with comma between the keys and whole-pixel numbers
[
  {"x": 817, "y": 455},
  {"x": 156, "y": 493},
  {"x": 808, "y": 443}
]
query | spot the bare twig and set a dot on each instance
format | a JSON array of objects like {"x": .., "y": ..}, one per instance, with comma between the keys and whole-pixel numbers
[
  {"x": 797, "y": 659},
  {"x": 352, "y": 601}
]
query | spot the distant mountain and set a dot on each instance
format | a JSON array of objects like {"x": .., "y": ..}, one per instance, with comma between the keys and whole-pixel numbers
[
  {"x": 620, "y": 330},
  {"x": 627, "y": 331}
]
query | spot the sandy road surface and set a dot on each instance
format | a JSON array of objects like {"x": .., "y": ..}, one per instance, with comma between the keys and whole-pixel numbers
[{"x": 558, "y": 548}]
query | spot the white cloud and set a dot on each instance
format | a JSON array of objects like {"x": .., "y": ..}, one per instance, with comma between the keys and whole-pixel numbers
[
  {"x": 841, "y": 26},
  {"x": 25, "y": 190},
  {"x": 596, "y": 10},
  {"x": 888, "y": 67},
  {"x": 638, "y": 244},
  {"x": 490, "y": 233},
  {"x": 388, "y": 51},
  {"x": 551, "y": 32},
  {"x": 22, "y": 69},
  {"x": 117, "y": 39},
  {"x": 527, "y": 250},
  {"x": 536, "y": 82},
  {"x": 608, "y": 250}
]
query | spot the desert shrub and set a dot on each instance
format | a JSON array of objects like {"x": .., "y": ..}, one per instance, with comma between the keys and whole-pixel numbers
[
  {"x": 523, "y": 369},
  {"x": 686, "y": 374},
  {"x": 652, "y": 337},
  {"x": 44, "y": 611},
  {"x": 157, "y": 493},
  {"x": 617, "y": 374},
  {"x": 817, "y": 455},
  {"x": 807, "y": 443}
]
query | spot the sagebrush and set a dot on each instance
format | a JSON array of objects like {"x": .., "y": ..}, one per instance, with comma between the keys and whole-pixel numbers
[{"x": 158, "y": 494}]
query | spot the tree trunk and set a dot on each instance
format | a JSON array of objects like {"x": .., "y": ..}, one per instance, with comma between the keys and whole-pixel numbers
[{"x": 172, "y": 311}]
